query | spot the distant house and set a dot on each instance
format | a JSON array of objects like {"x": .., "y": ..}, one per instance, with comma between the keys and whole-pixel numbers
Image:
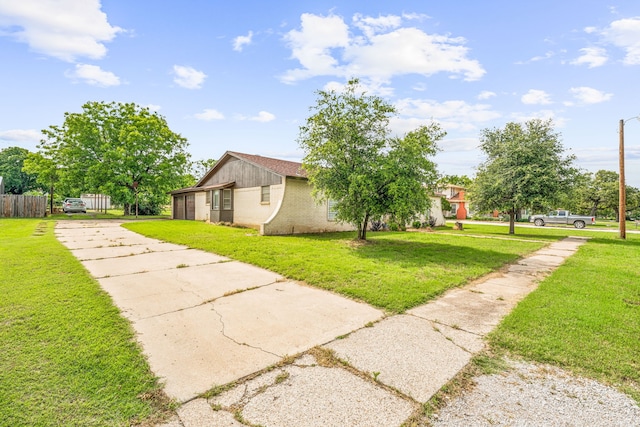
[
  {"x": 271, "y": 195},
  {"x": 456, "y": 196}
]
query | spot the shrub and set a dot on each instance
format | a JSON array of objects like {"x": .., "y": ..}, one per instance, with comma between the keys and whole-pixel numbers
[
  {"x": 416, "y": 224},
  {"x": 377, "y": 226}
]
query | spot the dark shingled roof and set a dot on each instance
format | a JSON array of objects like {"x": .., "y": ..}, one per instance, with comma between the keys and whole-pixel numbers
[{"x": 281, "y": 167}]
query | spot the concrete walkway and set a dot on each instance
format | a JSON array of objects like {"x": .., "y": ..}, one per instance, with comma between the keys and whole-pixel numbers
[{"x": 204, "y": 320}]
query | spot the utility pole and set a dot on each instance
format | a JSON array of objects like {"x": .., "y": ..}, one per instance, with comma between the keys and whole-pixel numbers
[{"x": 622, "y": 208}]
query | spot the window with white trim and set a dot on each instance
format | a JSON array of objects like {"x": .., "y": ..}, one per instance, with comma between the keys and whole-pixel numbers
[
  {"x": 226, "y": 199},
  {"x": 216, "y": 200},
  {"x": 265, "y": 194}
]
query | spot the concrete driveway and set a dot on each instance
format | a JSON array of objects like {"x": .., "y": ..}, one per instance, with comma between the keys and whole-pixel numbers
[{"x": 204, "y": 320}]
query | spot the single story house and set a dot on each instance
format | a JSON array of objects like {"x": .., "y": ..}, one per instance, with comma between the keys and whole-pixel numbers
[{"x": 271, "y": 195}]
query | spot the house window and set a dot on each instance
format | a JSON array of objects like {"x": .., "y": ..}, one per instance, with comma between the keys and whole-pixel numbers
[
  {"x": 265, "y": 194},
  {"x": 331, "y": 210},
  {"x": 208, "y": 199},
  {"x": 226, "y": 199},
  {"x": 216, "y": 200}
]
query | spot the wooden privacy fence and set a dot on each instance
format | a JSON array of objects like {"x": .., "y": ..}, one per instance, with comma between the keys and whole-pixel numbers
[{"x": 21, "y": 206}]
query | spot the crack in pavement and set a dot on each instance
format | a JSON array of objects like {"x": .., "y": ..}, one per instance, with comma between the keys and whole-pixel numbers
[
  {"x": 209, "y": 301},
  {"x": 236, "y": 342}
]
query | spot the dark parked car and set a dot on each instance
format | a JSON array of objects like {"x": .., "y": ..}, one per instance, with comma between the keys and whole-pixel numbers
[{"x": 73, "y": 205}]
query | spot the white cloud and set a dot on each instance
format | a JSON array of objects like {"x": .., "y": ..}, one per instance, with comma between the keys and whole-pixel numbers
[
  {"x": 326, "y": 46},
  {"x": 240, "y": 41},
  {"x": 450, "y": 114},
  {"x": 536, "y": 97},
  {"x": 65, "y": 29},
  {"x": 625, "y": 34},
  {"x": 459, "y": 144},
  {"x": 264, "y": 117},
  {"x": 188, "y": 77},
  {"x": 588, "y": 95},
  {"x": 486, "y": 94},
  {"x": 94, "y": 75},
  {"x": 371, "y": 26},
  {"x": 21, "y": 135},
  {"x": 312, "y": 45},
  {"x": 209, "y": 114},
  {"x": 542, "y": 115},
  {"x": 592, "y": 56}
]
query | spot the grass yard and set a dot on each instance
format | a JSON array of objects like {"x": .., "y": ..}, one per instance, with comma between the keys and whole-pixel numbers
[
  {"x": 394, "y": 271},
  {"x": 66, "y": 356},
  {"x": 585, "y": 316}
]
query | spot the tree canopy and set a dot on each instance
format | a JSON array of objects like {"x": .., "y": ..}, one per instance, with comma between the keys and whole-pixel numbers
[
  {"x": 525, "y": 167},
  {"x": 16, "y": 180},
  {"x": 119, "y": 149},
  {"x": 352, "y": 159}
]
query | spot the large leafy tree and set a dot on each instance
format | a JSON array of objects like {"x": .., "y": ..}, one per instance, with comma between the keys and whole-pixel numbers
[
  {"x": 352, "y": 158},
  {"x": 120, "y": 149},
  {"x": 16, "y": 180},
  {"x": 525, "y": 167},
  {"x": 602, "y": 194}
]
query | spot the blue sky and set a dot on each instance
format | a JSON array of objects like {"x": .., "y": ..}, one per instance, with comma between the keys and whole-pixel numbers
[{"x": 242, "y": 75}]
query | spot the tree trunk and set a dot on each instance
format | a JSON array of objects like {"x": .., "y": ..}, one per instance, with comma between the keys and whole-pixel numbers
[
  {"x": 512, "y": 221},
  {"x": 362, "y": 230}
]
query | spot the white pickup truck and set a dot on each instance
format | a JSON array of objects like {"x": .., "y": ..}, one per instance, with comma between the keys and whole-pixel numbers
[{"x": 562, "y": 217}]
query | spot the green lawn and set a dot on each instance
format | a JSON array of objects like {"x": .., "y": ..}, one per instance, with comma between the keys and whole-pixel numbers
[
  {"x": 394, "y": 271},
  {"x": 66, "y": 355}
]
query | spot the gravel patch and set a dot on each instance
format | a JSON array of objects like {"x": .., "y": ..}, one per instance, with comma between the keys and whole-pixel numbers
[{"x": 538, "y": 395}]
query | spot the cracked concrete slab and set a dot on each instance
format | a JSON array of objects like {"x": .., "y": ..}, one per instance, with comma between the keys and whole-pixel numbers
[
  {"x": 462, "y": 309},
  {"x": 157, "y": 292},
  {"x": 316, "y": 396},
  {"x": 510, "y": 287},
  {"x": 287, "y": 318},
  {"x": 188, "y": 350},
  {"x": 407, "y": 353}
]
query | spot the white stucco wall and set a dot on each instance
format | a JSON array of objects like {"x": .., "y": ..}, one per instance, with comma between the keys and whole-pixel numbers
[{"x": 299, "y": 213}]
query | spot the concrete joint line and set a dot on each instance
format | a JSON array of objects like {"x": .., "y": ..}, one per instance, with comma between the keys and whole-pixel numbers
[
  {"x": 457, "y": 328},
  {"x": 224, "y": 334},
  {"x": 451, "y": 340},
  {"x": 147, "y": 271}
]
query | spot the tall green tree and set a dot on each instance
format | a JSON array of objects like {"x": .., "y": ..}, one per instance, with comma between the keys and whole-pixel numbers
[
  {"x": 601, "y": 194},
  {"x": 16, "y": 180},
  {"x": 525, "y": 167},
  {"x": 120, "y": 149},
  {"x": 352, "y": 159}
]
